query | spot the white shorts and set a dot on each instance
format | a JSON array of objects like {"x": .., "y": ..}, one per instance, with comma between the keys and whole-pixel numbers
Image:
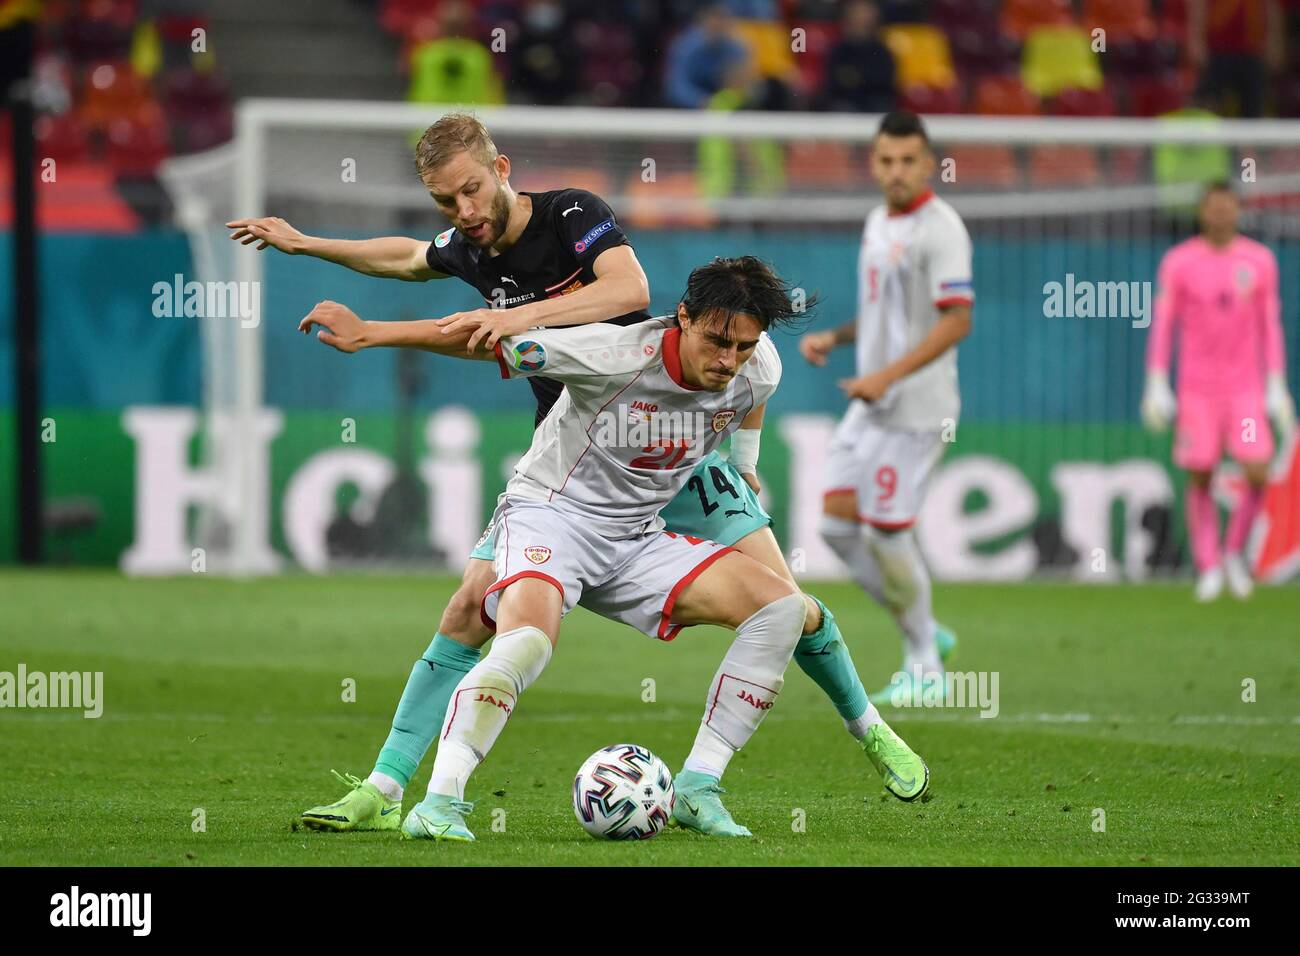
[
  {"x": 635, "y": 581},
  {"x": 887, "y": 468}
]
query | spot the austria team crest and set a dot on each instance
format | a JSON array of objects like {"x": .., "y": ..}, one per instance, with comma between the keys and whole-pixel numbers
[
  {"x": 537, "y": 553},
  {"x": 529, "y": 356},
  {"x": 722, "y": 419}
]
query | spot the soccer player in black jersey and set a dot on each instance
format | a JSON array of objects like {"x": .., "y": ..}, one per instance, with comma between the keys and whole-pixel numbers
[{"x": 556, "y": 258}]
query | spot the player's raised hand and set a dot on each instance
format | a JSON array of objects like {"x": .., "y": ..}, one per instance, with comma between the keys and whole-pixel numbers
[
  {"x": 267, "y": 231},
  {"x": 489, "y": 326},
  {"x": 816, "y": 346},
  {"x": 340, "y": 327}
]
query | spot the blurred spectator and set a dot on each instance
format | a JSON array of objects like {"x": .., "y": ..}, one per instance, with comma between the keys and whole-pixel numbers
[
  {"x": 544, "y": 67},
  {"x": 1234, "y": 44},
  {"x": 701, "y": 60},
  {"x": 453, "y": 68},
  {"x": 859, "y": 68}
]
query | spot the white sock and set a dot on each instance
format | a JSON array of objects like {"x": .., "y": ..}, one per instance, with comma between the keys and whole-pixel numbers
[
  {"x": 747, "y": 683},
  {"x": 907, "y": 592},
  {"x": 847, "y": 540},
  {"x": 482, "y": 703},
  {"x": 859, "y": 726},
  {"x": 386, "y": 785}
]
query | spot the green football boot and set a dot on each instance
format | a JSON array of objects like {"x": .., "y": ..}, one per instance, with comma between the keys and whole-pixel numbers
[
  {"x": 905, "y": 774},
  {"x": 697, "y": 806},
  {"x": 946, "y": 641},
  {"x": 905, "y": 689},
  {"x": 364, "y": 808},
  {"x": 438, "y": 817}
]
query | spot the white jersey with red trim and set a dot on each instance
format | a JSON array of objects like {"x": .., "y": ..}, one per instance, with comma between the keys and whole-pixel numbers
[
  {"x": 624, "y": 437},
  {"x": 911, "y": 265}
]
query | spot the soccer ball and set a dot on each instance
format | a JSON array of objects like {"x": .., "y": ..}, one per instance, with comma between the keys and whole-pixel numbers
[{"x": 623, "y": 792}]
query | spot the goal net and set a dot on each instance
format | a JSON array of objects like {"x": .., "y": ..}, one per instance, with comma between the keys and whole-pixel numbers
[{"x": 323, "y": 461}]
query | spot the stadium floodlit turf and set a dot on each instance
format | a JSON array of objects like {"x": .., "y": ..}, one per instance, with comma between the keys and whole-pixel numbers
[{"x": 226, "y": 697}]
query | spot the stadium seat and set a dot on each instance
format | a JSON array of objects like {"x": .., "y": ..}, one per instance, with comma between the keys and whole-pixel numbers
[
  {"x": 62, "y": 138},
  {"x": 1172, "y": 24},
  {"x": 952, "y": 15},
  {"x": 1128, "y": 166},
  {"x": 981, "y": 49},
  {"x": 645, "y": 202},
  {"x": 112, "y": 89},
  {"x": 1121, "y": 19},
  {"x": 1022, "y": 17},
  {"x": 769, "y": 47},
  {"x": 927, "y": 100},
  {"x": 921, "y": 55},
  {"x": 1156, "y": 95},
  {"x": 189, "y": 93},
  {"x": 99, "y": 30},
  {"x": 1054, "y": 165},
  {"x": 134, "y": 149},
  {"x": 824, "y": 165},
  {"x": 86, "y": 201},
  {"x": 979, "y": 167},
  {"x": 1004, "y": 96},
  {"x": 1083, "y": 103},
  {"x": 611, "y": 70},
  {"x": 1059, "y": 58}
]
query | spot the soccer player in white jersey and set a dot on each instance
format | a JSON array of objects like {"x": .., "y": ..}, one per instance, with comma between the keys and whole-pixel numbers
[
  {"x": 914, "y": 306},
  {"x": 579, "y": 523}
]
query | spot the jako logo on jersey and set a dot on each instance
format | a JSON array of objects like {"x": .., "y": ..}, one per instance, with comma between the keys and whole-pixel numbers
[
  {"x": 443, "y": 238},
  {"x": 595, "y": 233},
  {"x": 723, "y": 418},
  {"x": 489, "y": 699},
  {"x": 537, "y": 553},
  {"x": 528, "y": 356},
  {"x": 750, "y": 699}
]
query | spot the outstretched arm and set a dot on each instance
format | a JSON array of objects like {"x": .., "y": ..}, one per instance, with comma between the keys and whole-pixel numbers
[
  {"x": 342, "y": 329},
  {"x": 620, "y": 287},
  {"x": 389, "y": 257}
]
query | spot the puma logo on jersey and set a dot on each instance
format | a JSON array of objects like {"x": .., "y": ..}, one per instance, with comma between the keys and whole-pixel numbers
[
  {"x": 510, "y": 280},
  {"x": 752, "y": 701},
  {"x": 489, "y": 699},
  {"x": 576, "y": 208}
]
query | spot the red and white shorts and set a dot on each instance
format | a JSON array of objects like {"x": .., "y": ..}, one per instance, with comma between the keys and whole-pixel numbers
[
  {"x": 635, "y": 581},
  {"x": 886, "y": 468},
  {"x": 1208, "y": 425}
]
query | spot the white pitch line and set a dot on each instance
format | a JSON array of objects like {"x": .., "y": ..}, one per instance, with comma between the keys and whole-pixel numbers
[{"x": 666, "y": 715}]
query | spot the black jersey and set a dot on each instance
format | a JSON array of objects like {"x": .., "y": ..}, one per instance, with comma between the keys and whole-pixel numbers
[{"x": 553, "y": 256}]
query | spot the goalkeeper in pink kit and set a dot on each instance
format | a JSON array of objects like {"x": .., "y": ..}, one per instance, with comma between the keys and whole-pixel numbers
[{"x": 1218, "y": 297}]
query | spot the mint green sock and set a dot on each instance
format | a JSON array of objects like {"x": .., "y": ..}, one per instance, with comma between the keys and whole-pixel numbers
[
  {"x": 423, "y": 705},
  {"x": 824, "y": 657}
]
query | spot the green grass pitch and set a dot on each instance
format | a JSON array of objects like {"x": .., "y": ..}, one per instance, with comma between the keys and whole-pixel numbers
[{"x": 227, "y": 696}]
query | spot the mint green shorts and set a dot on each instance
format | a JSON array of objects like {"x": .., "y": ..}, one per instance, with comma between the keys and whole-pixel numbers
[{"x": 715, "y": 504}]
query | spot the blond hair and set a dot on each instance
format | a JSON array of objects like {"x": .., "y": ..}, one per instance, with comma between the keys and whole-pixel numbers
[{"x": 452, "y": 134}]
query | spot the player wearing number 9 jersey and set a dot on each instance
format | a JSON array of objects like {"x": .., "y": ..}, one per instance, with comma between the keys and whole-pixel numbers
[
  {"x": 914, "y": 305},
  {"x": 579, "y": 523}
]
